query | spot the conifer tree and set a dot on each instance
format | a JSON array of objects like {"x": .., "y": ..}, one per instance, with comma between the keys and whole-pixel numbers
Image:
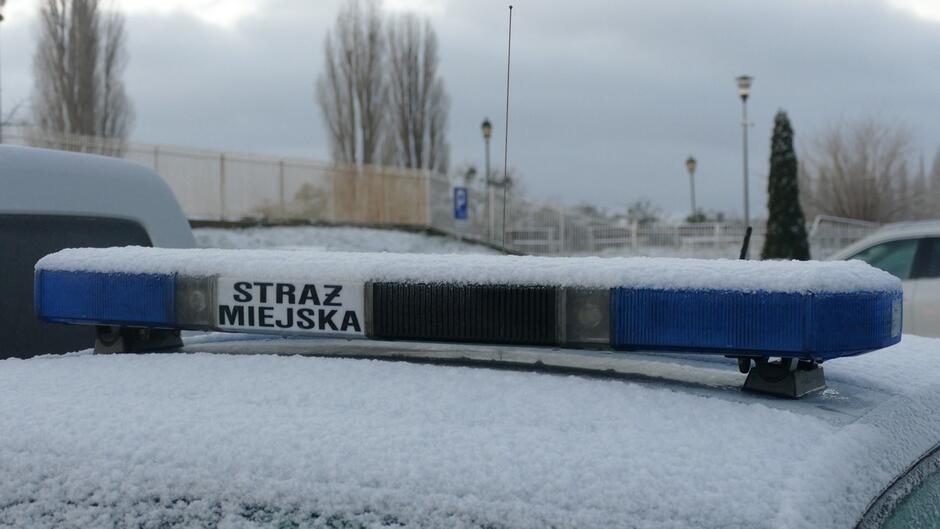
[{"x": 786, "y": 224}]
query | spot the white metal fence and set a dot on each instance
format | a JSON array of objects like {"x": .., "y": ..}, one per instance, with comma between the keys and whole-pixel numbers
[
  {"x": 212, "y": 185},
  {"x": 543, "y": 229}
]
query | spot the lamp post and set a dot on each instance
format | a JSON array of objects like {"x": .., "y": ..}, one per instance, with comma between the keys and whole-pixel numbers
[
  {"x": 2, "y": 2},
  {"x": 744, "y": 90},
  {"x": 690, "y": 164},
  {"x": 487, "y": 129}
]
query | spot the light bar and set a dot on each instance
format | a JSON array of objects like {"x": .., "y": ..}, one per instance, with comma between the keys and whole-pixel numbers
[{"x": 193, "y": 289}]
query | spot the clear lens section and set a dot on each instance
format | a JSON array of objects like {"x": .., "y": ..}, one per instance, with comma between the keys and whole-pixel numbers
[
  {"x": 195, "y": 302},
  {"x": 584, "y": 315}
]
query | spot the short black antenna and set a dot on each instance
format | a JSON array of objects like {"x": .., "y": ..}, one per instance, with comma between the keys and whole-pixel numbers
[
  {"x": 506, "y": 139},
  {"x": 746, "y": 244}
]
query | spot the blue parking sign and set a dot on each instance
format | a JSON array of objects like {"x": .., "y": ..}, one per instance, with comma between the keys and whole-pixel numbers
[{"x": 461, "y": 203}]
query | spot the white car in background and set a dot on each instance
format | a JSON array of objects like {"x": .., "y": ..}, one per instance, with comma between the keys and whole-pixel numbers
[
  {"x": 52, "y": 200},
  {"x": 910, "y": 251}
]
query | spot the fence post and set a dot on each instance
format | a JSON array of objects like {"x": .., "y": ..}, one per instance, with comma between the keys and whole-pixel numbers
[
  {"x": 429, "y": 217},
  {"x": 383, "y": 174},
  {"x": 591, "y": 245},
  {"x": 562, "y": 240},
  {"x": 333, "y": 202},
  {"x": 634, "y": 242},
  {"x": 717, "y": 236},
  {"x": 280, "y": 187},
  {"x": 222, "y": 186}
]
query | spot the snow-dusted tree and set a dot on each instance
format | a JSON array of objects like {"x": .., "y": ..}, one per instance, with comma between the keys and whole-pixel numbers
[
  {"x": 932, "y": 202},
  {"x": 858, "y": 170},
  {"x": 919, "y": 193},
  {"x": 419, "y": 102},
  {"x": 786, "y": 225},
  {"x": 933, "y": 180},
  {"x": 351, "y": 90},
  {"x": 78, "y": 66}
]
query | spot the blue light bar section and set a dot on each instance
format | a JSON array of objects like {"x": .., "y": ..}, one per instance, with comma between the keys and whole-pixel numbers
[
  {"x": 855, "y": 322},
  {"x": 817, "y": 326},
  {"x": 105, "y": 298}
]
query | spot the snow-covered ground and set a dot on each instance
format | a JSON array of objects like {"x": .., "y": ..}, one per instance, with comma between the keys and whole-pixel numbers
[
  {"x": 203, "y": 440},
  {"x": 333, "y": 239}
]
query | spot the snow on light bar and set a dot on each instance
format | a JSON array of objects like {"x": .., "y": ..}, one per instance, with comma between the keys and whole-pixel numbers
[{"x": 809, "y": 310}]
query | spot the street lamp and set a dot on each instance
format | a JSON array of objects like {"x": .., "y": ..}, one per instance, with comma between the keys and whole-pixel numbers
[
  {"x": 2, "y": 2},
  {"x": 487, "y": 129},
  {"x": 690, "y": 164},
  {"x": 744, "y": 90}
]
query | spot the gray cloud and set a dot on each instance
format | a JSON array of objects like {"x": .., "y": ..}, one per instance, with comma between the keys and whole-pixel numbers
[{"x": 608, "y": 98}]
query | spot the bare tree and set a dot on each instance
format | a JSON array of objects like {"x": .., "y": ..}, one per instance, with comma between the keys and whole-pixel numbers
[
  {"x": 931, "y": 197},
  {"x": 419, "y": 102},
  {"x": 921, "y": 201},
  {"x": 933, "y": 180},
  {"x": 351, "y": 90},
  {"x": 859, "y": 170},
  {"x": 78, "y": 65}
]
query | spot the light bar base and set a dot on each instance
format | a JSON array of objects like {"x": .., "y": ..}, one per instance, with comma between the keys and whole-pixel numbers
[
  {"x": 784, "y": 379},
  {"x": 109, "y": 339}
]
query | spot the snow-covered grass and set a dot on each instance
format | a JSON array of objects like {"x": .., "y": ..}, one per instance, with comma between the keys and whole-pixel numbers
[
  {"x": 344, "y": 239},
  {"x": 199, "y": 440}
]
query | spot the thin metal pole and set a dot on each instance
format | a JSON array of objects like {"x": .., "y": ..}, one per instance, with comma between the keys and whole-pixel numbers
[
  {"x": 222, "y": 186},
  {"x": 280, "y": 187},
  {"x": 506, "y": 139},
  {"x": 1, "y": 90},
  {"x": 747, "y": 194},
  {"x": 490, "y": 213},
  {"x": 746, "y": 245},
  {"x": 692, "y": 189}
]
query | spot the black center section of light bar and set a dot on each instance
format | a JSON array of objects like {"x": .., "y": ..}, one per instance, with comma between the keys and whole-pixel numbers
[{"x": 523, "y": 315}]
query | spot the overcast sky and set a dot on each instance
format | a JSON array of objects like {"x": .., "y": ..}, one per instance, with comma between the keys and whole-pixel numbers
[{"x": 608, "y": 98}]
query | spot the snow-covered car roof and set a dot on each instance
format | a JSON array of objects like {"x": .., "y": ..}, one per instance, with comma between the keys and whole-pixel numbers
[{"x": 204, "y": 439}]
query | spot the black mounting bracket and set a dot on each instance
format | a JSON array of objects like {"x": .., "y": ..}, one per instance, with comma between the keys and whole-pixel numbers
[
  {"x": 110, "y": 339},
  {"x": 789, "y": 377}
]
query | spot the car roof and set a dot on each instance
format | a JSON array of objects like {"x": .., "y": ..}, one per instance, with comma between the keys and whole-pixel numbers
[
  {"x": 931, "y": 226},
  {"x": 656, "y": 440},
  {"x": 889, "y": 232},
  {"x": 51, "y": 182}
]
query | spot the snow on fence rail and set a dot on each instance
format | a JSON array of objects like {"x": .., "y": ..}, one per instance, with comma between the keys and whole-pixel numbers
[{"x": 214, "y": 185}]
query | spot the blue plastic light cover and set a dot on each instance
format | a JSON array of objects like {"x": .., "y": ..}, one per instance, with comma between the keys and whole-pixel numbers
[
  {"x": 105, "y": 298},
  {"x": 810, "y": 325}
]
